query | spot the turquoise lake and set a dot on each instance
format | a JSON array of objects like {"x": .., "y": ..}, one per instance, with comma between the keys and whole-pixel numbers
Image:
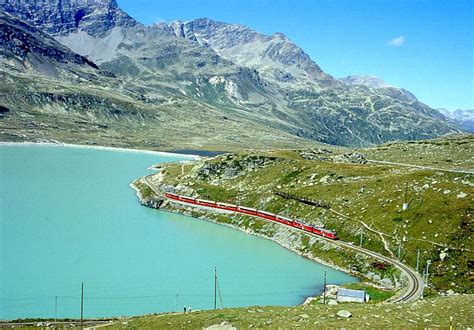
[{"x": 68, "y": 215}]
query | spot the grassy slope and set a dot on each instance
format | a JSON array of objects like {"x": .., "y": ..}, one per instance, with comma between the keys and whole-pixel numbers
[
  {"x": 102, "y": 112},
  {"x": 438, "y": 220},
  {"x": 450, "y": 152},
  {"x": 432, "y": 312}
]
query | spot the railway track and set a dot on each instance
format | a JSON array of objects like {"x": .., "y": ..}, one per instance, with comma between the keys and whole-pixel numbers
[
  {"x": 415, "y": 285},
  {"x": 414, "y": 281}
]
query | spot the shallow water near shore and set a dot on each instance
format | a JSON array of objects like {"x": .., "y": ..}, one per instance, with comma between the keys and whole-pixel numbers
[{"x": 67, "y": 216}]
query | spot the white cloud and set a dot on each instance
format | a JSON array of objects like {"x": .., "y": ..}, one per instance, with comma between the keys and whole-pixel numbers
[{"x": 397, "y": 42}]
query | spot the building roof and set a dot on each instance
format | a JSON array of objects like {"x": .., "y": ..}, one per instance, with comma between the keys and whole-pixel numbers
[{"x": 351, "y": 293}]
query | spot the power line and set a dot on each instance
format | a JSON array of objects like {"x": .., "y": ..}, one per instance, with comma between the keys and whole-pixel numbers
[
  {"x": 215, "y": 287},
  {"x": 324, "y": 292},
  {"x": 417, "y": 260},
  {"x": 157, "y": 296}
]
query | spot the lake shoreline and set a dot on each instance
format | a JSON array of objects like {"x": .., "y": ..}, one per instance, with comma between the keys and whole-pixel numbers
[
  {"x": 98, "y": 147},
  {"x": 204, "y": 215},
  {"x": 67, "y": 165}
]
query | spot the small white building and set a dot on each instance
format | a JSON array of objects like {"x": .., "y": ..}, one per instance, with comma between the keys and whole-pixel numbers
[{"x": 347, "y": 295}]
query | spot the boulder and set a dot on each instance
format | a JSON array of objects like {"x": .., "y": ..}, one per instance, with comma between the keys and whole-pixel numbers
[
  {"x": 450, "y": 292},
  {"x": 462, "y": 195},
  {"x": 442, "y": 255},
  {"x": 344, "y": 313}
]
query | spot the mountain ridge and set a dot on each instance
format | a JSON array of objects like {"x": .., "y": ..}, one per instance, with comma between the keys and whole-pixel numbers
[
  {"x": 51, "y": 94},
  {"x": 237, "y": 72},
  {"x": 240, "y": 44},
  {"x": 462, "y": 117},
  {"x": 93, "y": 16}
]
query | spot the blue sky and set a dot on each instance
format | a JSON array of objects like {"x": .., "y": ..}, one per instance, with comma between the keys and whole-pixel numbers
[{"x": 424, "y": 46}]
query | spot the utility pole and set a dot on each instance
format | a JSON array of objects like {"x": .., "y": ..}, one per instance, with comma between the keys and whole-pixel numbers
[
  {"x": 324, "y": 292},
  {"x": 82, "y": 305},
  {"x": 215, "y": 287},
  {"x": 427, "y": 271},
  {"x": 55, "y": 308},
  {"x": 361, "y": 236},
  {"x": 399, "y": 248},
  {"x": 417, "y": 259},
  {"x": 405, "y": 198},
  {"x": 176, "y": 303},
  {"x": 424, "y": 273}
]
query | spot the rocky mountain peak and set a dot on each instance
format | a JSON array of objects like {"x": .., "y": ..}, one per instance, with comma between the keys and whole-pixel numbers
[
  {"x": 276, "y": 57},
  {"x": 61, "y": 17},
  {"x": 280, "y": 35},
  {"x": 369, "y": 81},
  {"x": 26, "y": 47}
]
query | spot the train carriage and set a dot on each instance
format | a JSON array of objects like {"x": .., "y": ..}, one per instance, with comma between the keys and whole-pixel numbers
[
  {"x": 247, "y": 210},
  {"x": 266, "y": 215},
  {"x": 204, "y": 202},
  {"x": 225, "y": 206}
]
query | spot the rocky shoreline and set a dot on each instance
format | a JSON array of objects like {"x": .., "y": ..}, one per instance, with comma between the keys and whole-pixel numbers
[{"x": 285, "y": 237}]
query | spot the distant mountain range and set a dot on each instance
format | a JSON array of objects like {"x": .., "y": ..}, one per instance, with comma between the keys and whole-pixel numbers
[
  {"x": 463, "y": 118},
  {"x": 106, "y": 78}
]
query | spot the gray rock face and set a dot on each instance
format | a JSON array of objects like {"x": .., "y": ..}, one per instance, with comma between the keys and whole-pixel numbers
[
  {"x": 60, "y": 17},
  {"x": 246, "y": 47},
  {"x": 23, "y": 42}
]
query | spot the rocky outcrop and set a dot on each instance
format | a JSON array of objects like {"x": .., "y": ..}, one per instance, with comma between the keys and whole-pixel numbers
[
  {"x": 327, "y": 155},
  {"x": 58, "y": 17},
  {"x": 146, "y": 195},
  {"x": 230, "y": 166},
  {"x": 353, "y": 158},
  {"x": 315, "y": 154}
]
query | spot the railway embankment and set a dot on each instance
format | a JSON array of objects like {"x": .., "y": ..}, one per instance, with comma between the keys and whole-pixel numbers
[
  {"x": 380, "y": 276},
  {"x": 419, "y": 216}
]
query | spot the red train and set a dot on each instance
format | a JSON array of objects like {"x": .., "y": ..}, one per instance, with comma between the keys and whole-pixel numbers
[{"x": 256, "y": 213}]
